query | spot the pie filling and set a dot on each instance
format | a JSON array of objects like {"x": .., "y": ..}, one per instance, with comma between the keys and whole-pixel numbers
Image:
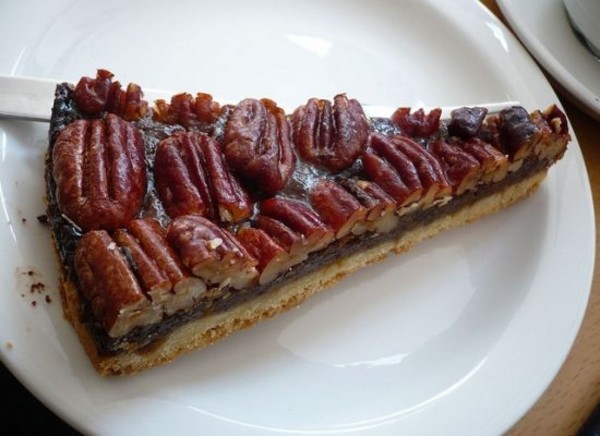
[{"x": 268, "y": 211}]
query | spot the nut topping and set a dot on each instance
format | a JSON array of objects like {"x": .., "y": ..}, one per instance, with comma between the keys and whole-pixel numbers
[
  {"x": 107, "y": 283},
  {"x": 94, "y": 96},
  {"x": 417, "y": 123},
  {"x": 192, "y": 178},
  {"x": 332, "y": 136},
  {"x": 337, "y": 207},
  {"x": 200, "y": 111},
  {"x": 257, "y": 145},
  {"x": 151, "y": 239},
  {"x": 100, "y": 172},
  {"x": 493, "y": 163},
  {"x": 272, "y": 258},
  {"x": 301, "y": 219},
  {"x": 212, "y": 253},
  {"x": 462, "y": 170}
]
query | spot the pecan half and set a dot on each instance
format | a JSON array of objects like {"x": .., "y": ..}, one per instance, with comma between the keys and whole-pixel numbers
[
  {"x": 96, "y": 95},
  {"x": 428, "y": 168},
  {"x": 292, "y": 242},
  {"x": 516, "y": 132},
  {"x": 110, "y": 287},
  {"x": 337, "y": 207},
  {"x": 462, "y": 170},
  {"x": 100, "y": 172},
  {"x": 200, "y": 111},
  {"x": 465, "y": 122},
  {"x": 417, "y": 123},
  {"x": 272, "y": 258},
  {"x": 154, "y": 261},
  {"x": 301, "y": 219},
  {"x": 191, "y": 177},
  {"x": 332, "y": 136},
  {"x": 212, "y": 253},
  {"x": 257, "y": 145},
  {"x": 381, "y": 208},
  {"x": 494, "y": 164}
]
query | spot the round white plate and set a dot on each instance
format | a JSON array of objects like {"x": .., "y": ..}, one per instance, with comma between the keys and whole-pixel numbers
[
  {"x": 459, "y": 336},
  {"x": 543, "y": 26}
]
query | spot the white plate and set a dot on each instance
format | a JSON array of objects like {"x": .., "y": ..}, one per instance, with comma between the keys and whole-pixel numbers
[
  {"x": 459, "y": 336},
  {"x": 544, "y": 28}
]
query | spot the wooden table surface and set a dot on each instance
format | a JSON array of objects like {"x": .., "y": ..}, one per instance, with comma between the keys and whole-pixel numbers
[{"x": 575, "y": 392}]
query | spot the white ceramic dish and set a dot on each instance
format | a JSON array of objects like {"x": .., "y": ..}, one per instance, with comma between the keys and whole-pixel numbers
[
  {"x": 543, "y": 27},
  {"x": 460, "y": 336}
]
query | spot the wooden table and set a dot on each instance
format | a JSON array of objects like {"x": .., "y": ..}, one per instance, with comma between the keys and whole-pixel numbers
[{"x": 575, "y": 392}]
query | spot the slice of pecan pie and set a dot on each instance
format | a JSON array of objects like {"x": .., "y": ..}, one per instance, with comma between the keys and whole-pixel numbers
[{"x": 180, "y": 222}]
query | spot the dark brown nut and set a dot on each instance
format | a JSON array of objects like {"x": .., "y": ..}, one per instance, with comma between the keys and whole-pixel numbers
[
  {"x": 191, "y": 177},
  {"x": 212, "y": 253},
  {"x": 184, "y": 109},
  {"x": 417, "y": 123},
  {"x": 428, "y": 167},
  {"x": 387, "y": 177},
  {"x": 462, "y": 170},
  {"x": 230, "y": 199},
  {"x": 332, "y": 136},
  {"x": 388, "y": 150},
  {"x": 552, "y": 138},
  {"x": 494, "y": 164},
  {"x": 337, "y": 207},
  {"x": 516, "y": 131},
  {"x": 272, "y": 258},
  {"x": 155, "y": 282},
  {"x": 110, "y": 287},
  {"x": 465, "y": 122},
  {"x": 94, "y": 96},
  {"x": 292, "y": 242},
  {"x": 100, "y": 172},
  {"x": 257, "y": 145},
  {"x": 380, "y": 206},
  {"x": 301, "y": 219},
  {"x": 152, "y": 239}
]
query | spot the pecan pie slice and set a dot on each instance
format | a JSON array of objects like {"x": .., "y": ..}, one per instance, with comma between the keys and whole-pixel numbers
[{"x": 179, "y": 223}]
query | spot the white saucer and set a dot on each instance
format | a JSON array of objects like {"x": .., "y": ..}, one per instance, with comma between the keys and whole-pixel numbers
[{"x": 543, "y": 27}]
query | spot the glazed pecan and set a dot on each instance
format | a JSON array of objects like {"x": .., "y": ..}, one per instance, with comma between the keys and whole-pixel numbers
[
  {"x": 428, "y": 167},
  {"x": 494, "y": 164},
  {"x": 337, "y": 207},
  {"x": 200, "y": 111},
  {"x": 212, "y": 253},
  {"x": 191, "y": 177},
  {"x": 163, "y": 276},
  {"x": 381, "y": 208},
  {"x": 465, "y": 122},
  {"x": 94, "y": 96},
  {"x": 462, "y": 170},
  {"x": 110, "y": 287},
  {"x": 417, "y": 123},
  {"x": 301, "y": 219},
  {"x": 516, "y": 132},
  {"x": 292, "y": 242},
  {"x": 100, "y": 172},
  {"x": 272, "y": 258},
  {"x": 332, "y": 136},
  {"x": 257, "y": 145}
]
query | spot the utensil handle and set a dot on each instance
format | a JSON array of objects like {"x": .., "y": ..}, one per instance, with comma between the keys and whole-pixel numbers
[{"x": 26, "y": 98}]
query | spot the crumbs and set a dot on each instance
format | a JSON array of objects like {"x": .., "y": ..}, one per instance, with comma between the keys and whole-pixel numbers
[
  {"x": 30, "y": 285},
  {"x": 8, "y": 345}
]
